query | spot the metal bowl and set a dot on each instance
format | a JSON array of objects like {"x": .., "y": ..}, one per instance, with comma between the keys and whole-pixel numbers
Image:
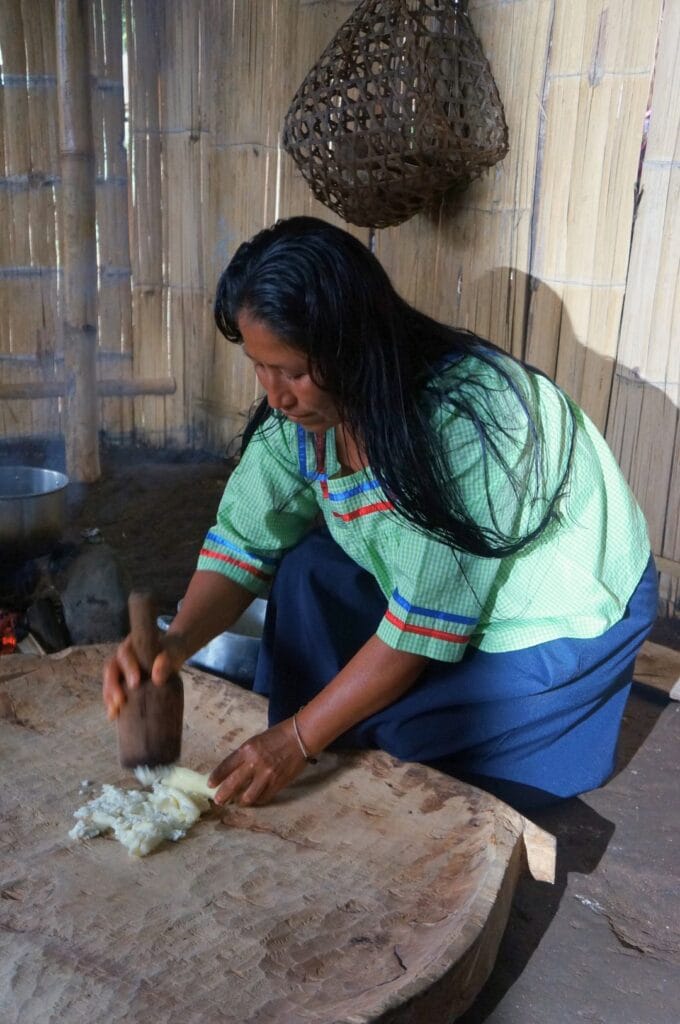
[
  {"x": 32, "y": 511},
  {"x": 231, "y": 655}
]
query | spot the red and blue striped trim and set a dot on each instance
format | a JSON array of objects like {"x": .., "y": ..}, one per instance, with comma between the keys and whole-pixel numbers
[
  {"x": 243, "y": 552},
  {"x": 310, "y": 474},
  {"x": 351, "y": 492},
  {"x": 436, "y": 634},
  {"x": 433, "y": 613},
  {"x": 319, "y": 474},
  {"x": 365, "y": 510},
  {"x": 218, "y": 556},
  {"x": 240, "y": 557},
  {"x": 430, "y": 613}
]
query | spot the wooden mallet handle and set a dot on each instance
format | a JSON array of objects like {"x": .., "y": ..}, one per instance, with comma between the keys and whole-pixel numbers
[
  {"x": 150, "y": 721},
  {"x": 143, "y": 629}
]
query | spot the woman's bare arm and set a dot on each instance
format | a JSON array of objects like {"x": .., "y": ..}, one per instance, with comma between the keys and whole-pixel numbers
[{"x": 376, "y": 676}]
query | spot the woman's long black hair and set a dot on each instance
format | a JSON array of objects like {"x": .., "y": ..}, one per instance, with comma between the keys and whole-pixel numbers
[{"x": 324, "y": 293}]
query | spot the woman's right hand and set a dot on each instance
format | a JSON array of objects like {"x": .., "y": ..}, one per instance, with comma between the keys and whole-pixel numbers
[
  {"x": 211, "y": 604},
  {"x": 122, "y": 671}
]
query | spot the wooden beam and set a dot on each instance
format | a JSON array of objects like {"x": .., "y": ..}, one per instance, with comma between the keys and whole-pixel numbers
[
  {"x": 76, "y": 149},
  {"x": 130, "y": 388},
  {"x": 667, "y": 565},
  {"x": 104, "y": 388},
  {"x": 659, "y": 666}
]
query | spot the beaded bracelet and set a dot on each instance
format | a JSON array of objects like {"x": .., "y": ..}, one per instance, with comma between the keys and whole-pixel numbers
[{"x": 305, "y": 753}]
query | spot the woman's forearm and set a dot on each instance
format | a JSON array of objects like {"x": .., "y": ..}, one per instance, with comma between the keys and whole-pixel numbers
[
  {"x": 375, "y": 677},
  {"x": 211, "y": 605}
]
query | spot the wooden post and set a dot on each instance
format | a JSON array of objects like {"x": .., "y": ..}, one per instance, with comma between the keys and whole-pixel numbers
[{"x": 76, "y": 148}]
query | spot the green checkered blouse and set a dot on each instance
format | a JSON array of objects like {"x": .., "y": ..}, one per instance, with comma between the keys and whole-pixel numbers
[{"x": 574, "y": 580}]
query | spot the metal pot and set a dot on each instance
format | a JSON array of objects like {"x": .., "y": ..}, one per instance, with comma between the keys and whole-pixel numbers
[
  {"x": 32, "y": 511},
  {"x": 232, "y": 655}
]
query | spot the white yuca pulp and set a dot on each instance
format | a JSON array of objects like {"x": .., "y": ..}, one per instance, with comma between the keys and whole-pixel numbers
[{"x": 142, "y": 820}]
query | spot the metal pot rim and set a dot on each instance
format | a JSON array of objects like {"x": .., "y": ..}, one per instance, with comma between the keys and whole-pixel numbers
[{"x": 54, "y": 480}]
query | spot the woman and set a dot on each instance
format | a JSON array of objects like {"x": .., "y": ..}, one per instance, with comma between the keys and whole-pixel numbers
[{"x": 483, "y": 580}]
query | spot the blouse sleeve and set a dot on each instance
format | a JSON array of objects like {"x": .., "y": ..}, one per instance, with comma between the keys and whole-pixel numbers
[
  {"x": 267, "y": 507},
  {"x": 438, "y": 596}
]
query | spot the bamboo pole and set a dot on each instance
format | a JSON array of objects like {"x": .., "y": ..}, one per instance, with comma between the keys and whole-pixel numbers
[
  {"x": 119, "y": 387},
  {"x": 17, "y": 327},
  {"x": 145, "y": 23},
  {"x": 76, "y": 148},
  {"x": 37, "y": 311}
]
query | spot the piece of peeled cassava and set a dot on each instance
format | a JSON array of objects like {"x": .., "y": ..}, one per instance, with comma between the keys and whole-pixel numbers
[
  {"x": 183, "y": 779},
  {"x": 142, "y": 821}
]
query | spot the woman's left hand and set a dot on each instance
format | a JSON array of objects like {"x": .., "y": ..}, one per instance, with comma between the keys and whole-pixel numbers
[{"x": 259, "y": 768}]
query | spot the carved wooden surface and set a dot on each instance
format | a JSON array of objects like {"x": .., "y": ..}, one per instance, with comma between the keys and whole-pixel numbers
[{"x": 371, "y": 890}]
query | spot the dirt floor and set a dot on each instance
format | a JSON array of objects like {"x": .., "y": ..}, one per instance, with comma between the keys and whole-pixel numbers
[
  {"x": 154, "y": 510},
  {"x": 602, "y": 945}
]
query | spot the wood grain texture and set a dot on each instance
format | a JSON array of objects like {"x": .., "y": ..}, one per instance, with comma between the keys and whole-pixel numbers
[
  {"x": 659, "y": 667},
  {"x": 370, "y": 891}
]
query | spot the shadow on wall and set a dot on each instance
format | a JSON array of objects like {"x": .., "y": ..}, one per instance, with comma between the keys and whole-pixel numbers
[
  {"x": 619, "y": 396},
  {"x": 638, "y": 418}
]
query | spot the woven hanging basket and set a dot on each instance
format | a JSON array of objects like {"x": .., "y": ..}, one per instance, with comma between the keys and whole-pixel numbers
[{"x": 400, "y": 107}]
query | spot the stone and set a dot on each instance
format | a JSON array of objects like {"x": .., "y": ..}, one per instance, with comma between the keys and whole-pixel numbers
[{"x": 94, "y": 596}]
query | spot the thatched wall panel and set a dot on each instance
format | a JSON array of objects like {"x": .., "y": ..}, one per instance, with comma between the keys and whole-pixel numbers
[
  {"x": 466, "y": 262},
  {"x": 228, "y": 387},
  {"x": 595, "y": 97},
  {"x": 647, "y": 442},
  {"x": 115, "y": 301},
  {"x": 258, "y": 54},
  {"x": 29, "y": 343},
  {"x": 144, "y": 23}
]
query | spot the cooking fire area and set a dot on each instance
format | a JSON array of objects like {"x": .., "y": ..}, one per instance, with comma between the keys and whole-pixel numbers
[{"x": 70, "y": 553}]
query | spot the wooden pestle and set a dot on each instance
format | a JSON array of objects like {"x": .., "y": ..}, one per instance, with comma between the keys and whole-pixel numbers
[{"x": 150, "y": 721}]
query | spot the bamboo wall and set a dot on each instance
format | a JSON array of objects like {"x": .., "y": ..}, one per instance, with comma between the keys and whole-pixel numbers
[
  {"x": 566, "y": 253},
  {"x": 29, "y": 311}
]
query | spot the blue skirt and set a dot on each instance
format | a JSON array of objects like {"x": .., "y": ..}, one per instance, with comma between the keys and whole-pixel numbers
[{"x": 531, "y": 725}]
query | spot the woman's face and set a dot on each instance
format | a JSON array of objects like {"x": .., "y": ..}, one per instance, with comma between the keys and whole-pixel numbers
[{"x": 283, "y": 372}]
